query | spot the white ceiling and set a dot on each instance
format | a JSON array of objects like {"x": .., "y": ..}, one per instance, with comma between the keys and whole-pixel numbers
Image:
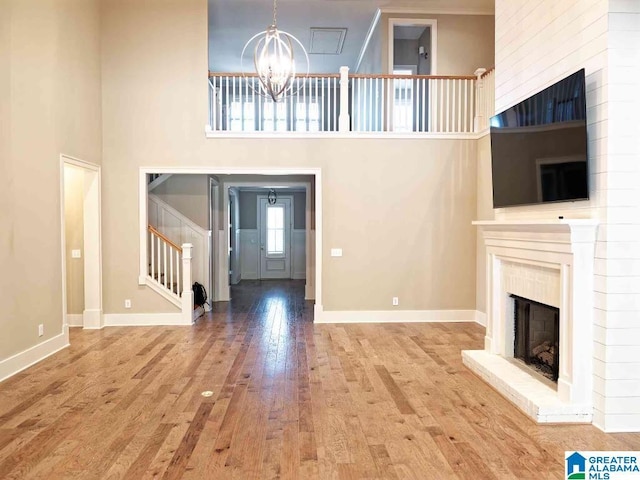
[{"x": 233, "y": 22}]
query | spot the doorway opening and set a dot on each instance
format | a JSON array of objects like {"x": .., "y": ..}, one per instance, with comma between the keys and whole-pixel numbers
[
  {"x": 269, "y": 230},
  {"x": 81, "y": 244},
  {"x": 226, "y": 204},
  {"x": 413, "y": 46}
]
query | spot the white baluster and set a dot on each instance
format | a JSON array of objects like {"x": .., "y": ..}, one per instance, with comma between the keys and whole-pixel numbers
[
  {"x": 159, "y": 266},
  {"x": 431, "y": 96},
  {"x": 178, "y": 279},
  {"x": 171, "y": 269},
  {"x": 187, "y": 293},
  {"x": 344, "y": 100},
  {"x": 164, "y": 264},
  {"x": 152, "y": 261}
]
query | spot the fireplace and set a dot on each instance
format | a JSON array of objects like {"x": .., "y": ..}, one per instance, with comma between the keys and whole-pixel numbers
[
  {"x": 536, "y": 336},
  {"x": 548, "y": 265}
]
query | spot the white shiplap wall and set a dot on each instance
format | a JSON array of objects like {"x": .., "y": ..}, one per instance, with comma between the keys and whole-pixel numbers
[
  {"x": 537, "y": 43},
  {"x": 617, "y": 297}
]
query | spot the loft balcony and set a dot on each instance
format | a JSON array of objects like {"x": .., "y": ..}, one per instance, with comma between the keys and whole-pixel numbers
[{"x": 353, "y": 104}]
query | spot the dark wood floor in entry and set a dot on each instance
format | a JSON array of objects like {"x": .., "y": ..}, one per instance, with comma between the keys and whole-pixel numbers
[{"x": 289, "y": 400}]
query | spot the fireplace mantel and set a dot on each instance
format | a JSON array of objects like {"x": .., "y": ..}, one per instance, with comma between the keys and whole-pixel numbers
[{"x": 551, "y": 262}]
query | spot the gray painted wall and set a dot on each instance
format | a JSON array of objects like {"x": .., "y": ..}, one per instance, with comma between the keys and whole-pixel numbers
[{"x": 249, "y": 209}]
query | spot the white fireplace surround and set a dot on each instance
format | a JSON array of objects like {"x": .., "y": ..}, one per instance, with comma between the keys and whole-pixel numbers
[{"x": 551, "y": 262}]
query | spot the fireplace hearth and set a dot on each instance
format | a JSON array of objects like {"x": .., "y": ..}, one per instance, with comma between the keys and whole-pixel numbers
[{"x": 536, "y": 339}]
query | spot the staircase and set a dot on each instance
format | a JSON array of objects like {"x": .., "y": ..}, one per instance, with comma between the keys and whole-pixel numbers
[{"x": 170, "y": 273}]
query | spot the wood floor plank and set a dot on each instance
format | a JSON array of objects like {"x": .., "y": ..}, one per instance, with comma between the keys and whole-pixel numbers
[{"x": 290, "y": 399}]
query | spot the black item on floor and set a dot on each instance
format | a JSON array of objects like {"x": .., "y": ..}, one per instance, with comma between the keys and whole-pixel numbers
[{"x": 199, "y": 294}]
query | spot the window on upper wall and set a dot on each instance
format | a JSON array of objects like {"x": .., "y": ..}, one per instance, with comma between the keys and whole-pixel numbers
[
  {"x": 308, "y": 116},
  {"x": 274, "y": 116},
  {"x": 403, "y": 101},
  {"x": 242, "y": 116}
]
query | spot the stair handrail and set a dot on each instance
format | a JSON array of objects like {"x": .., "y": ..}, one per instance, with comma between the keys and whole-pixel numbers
[{"x": 163, "y": 237}]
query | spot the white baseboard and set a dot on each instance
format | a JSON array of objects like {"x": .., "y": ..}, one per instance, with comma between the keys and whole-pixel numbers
[
  {"x": 33, "y": 355},
  {"x": 74, "y": 320},
  {"x": 481, "y": 318},
  {"x": 92, "y": 319},
  {"x": 392, "y": 316},
  {"x": 143, "y": 319}
]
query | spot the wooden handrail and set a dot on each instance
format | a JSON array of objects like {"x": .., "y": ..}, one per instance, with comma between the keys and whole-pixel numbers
[
  {"x": 413, "y": 77},
  {"x": 487, "y": 72},
  {"x": 157, "y": 233},
  {"x": 253, "y": 75},
  {"x": 355, "y": 75}
]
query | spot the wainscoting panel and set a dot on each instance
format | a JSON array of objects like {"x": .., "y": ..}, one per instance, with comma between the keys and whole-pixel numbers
[
  {"x": 249, "y": 254},
  {"x": 298, "y": 256}
]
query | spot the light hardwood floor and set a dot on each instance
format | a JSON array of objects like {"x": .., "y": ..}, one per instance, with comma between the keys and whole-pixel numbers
[{"x": 290, "y": 400}]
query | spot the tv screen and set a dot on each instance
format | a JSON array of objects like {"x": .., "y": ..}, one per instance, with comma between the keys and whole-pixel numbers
[{"x": 539, "y": 147}]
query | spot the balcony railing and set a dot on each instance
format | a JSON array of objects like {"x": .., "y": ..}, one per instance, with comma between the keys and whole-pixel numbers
[{"x": 356, "y": 103}]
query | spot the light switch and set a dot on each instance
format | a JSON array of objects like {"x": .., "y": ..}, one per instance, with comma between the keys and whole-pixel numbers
[
  {"x": 76, "y": 254},
  {"x": 336, "y": 252}
]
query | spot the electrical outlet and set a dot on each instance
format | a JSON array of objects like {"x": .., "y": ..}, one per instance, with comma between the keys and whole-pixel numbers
[
  {"x": 76, "y": 253},
  {"x": 394, "y": 301},
  {"x": 40, "y": 330},
  {"x": 127, "y": 303},
  {"x": 336, "y": 252}
]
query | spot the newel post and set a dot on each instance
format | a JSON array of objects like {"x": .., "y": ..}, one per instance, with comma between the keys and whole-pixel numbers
[
  {"x": 480, "y": 99},
  {"x": 344, "y": 120},
  {"x": 187, "y": 281}
]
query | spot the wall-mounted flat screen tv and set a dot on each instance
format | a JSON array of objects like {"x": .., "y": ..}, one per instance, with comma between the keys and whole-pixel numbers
[{"x": 539, "y": 147}]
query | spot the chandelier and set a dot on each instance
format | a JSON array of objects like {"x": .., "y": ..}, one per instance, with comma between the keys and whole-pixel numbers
[{"x": 273, "y": 60}]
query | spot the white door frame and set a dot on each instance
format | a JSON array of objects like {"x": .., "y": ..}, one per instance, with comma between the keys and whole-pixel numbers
[
  {"x": 310, "y": 281},
  {"x": 92, "y": 316},
  {"x": 313, "y": 279},
  {"x": 289, "y": 231},
  {"x": 214, "y": 222},
  {"x": 427, "y": 22}
]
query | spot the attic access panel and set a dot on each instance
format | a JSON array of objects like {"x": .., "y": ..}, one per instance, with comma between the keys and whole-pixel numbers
[{"x": 327, "y": 41}]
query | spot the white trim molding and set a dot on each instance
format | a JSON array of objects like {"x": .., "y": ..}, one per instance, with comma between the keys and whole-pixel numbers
[
  {"x": 145, "y": 319},
  {"x": 92, "y": 319},
  {"x": 344, "y": 135},
  {"x": 367, "y": 39},
  {"x": 92, "y": 206},
  {"x": 74, "y": 320},
  {"x": 437, "y": 10},
  {"x": 392, "y": 316},
  {"x": 481, "y": 318},
  {"x": 23, "y": 360}
]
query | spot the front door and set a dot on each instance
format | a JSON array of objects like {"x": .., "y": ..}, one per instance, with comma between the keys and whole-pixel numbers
[{"x": 275, "y": 237}]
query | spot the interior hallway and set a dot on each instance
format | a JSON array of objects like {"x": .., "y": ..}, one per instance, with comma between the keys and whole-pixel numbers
[{"x": 289, "y": 400}]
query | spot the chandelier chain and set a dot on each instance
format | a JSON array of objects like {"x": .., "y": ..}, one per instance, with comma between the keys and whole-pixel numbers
[{"x": 275, "y": 12}]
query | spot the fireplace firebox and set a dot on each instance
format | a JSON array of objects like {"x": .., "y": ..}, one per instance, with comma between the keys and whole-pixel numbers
[{"x": 537, "y": 335}]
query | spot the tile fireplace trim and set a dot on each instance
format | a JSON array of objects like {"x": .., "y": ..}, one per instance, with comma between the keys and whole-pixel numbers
[{"x": 566, "y": 246}]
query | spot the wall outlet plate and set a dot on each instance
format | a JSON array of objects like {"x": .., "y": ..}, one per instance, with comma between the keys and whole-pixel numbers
[
  {"x": 395, "y": 302},
  {"x": 76, "y": 253},
  {"x": 336, "y": 252},
  {"x": 40, "y": 330},
  {"x": 127, "y": 303}
]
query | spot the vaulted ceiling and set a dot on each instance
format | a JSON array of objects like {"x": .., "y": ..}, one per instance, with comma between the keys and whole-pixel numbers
[{"x": 233, "y": 22}]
